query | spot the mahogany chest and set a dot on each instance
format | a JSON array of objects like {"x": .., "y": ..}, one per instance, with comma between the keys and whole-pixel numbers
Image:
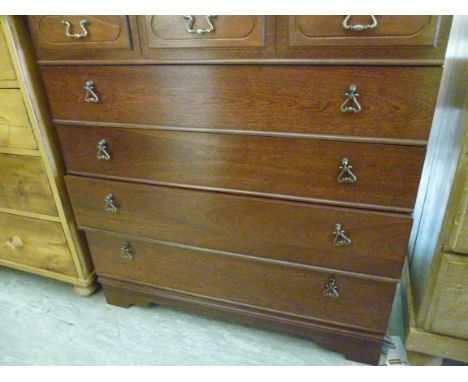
[{"x": 256, "y": 168}]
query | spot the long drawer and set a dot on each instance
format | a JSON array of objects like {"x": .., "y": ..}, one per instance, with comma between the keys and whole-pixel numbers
[
  {"x": 299, "y": 99},
  {"x": 24, "y": 185},
  {"x": 285, "y": 231},
  {"x": 294, "y": 291},
  {"x": 35, "y": 243},
  {"x": 387, "y": 175}
]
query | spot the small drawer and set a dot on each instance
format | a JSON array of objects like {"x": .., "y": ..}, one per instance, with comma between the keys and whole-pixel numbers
[
  {"x": 214, "y": 37},
  {"x": 7, "y": 72},
  {"x": 15, "y": 129},
  {"x": 274, "y": 288},
  {"x": 389, "y": 38},
  {"x": 293, "y": 232},
  {"x": 34, "y": 243},
  {"x": 449, "y": 306},
  {"x": 81, "y": 37},
  {"x": 371, "y": 31},
  {"x": 292, "y": 99},
  {"x": 24, "y": 185},
  {"x": 292, "y": 167}
]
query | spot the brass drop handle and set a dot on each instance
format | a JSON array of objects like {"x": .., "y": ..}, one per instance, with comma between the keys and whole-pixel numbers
[
  {"x": 103, "y": 152},
  {"x": 351, "y": 98},
  {"x": 110, "y": 203},
  {"x": 191, "y": 21},
  {"x": 359, "y": 27},
  {"x": 346, "y": 174},
  {"x": 69, "y": 33},
  {"x": 126, "y": 253},
  {"x": 14, "y": 243},
  {"x": 331, "y": 289},
  {"x": 340, "y": 239},
  {"x": 91, "y": 95}
]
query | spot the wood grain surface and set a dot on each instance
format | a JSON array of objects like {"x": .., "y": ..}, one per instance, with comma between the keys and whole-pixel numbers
[
  {"x": 15, "y": 129},
  {"x": 104, "y": 32},
  {"x": 7, "y": 72},
  {"x": 388, "y": 175},
  {"x": 273, "y": 287},
  {"x": 109, "y": 37},
  {"x": 359, "y": 346},
  {"x": 24, "y": 185},
  {"x": 301, "y": 99},
  {"x": 295, "y": 232},
  {"x": 165, "y": 31},
  {"x": 449, "y": 309},
  {"x": 36, "y": 243},
  {"x": 410, "y": 31}
]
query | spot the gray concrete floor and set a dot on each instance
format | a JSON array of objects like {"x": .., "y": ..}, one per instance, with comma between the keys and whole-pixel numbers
[{"x": 42, "y": 322}]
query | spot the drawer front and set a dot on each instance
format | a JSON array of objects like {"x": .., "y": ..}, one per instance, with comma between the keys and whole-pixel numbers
[
  {"x": 294, "y": 232},
  {"x": 85, "y": 32},
  {"x": 7, "y": 72},
  {"x": 24, "y": 185},
  {"x": 15, "y": 130},
  {"x": 300, "y": 99},
  {"x": 213, "y": 31},
  {"x": 293, "y": 167},
  {"x": 449, "y": 307},
  {"x": 346, "y": 31},
  {"x": 35, "y": 243},
  {"x": 291, "y": 290},
  {"x": 78, "y": 37}
]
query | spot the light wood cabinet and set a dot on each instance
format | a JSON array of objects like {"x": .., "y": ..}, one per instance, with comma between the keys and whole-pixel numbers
[
  {"x": 437, "y": 282},
  {"x": 37, "y": 230}
]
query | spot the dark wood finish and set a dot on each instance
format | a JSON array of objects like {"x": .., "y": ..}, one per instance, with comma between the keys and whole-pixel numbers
[
  {"x": 390, "y": 31},
  {"x": 401, "y": 38},
  {"x": 424, "y": 47},
  {"x": 356, "y": 345},
  {"x": 302, "y": 99},
  {"x": 388, "y": 175},
  {"x": 291, "y": 291},
  {"x": 224, "y": 176},
  {"x": 109, "y": 37},
  {"x": 285, "y": 231},
  {"x": 235, "y": 37},
  {"x": 229, "y": 32}
]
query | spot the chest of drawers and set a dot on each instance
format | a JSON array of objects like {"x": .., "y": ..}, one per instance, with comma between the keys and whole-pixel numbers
[
  {"x": 256, "y": 168},
  {"x": 37, "y": 230}
]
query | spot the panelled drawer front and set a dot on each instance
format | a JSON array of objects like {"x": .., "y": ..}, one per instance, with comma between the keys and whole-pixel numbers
[
  {"x": 449, "y": 307},
  {"x": 295, "y": 232},
  {"x": 7, "y": 72},
  {"x": 387, "y": 175},
  {"x": 300, "y": 99},
  {"x": 35, "y": 243},
  {"x": 85, "y": 32},
  {"x": 15, "y": 129},
  {"x": 385, "y": 31},
  {"x": 291, "y": 290},
  {"x": 226, "y": 31},
  {"x": 24, "y": 185}
]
